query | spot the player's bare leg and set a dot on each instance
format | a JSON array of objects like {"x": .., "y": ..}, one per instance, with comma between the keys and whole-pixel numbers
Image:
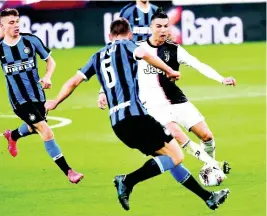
[
  {"x": 189, "y": 146},
  {"x": 55, "y": 153},
  {"x": 202, "y": 131},
  {"x": 170, "y": 158},
  {"x": 183, "y": 176}
]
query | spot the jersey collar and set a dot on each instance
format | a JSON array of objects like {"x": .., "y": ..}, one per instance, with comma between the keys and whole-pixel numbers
[
  {"x": 150, "y": 44},
  {"x": 11, "y": 45},
  {"x": 144, "y": 10}
]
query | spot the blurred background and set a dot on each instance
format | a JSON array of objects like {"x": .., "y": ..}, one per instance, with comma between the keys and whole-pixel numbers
[
  {"x": 66, "y": 24},
  {"x": 228, "y": 35}
]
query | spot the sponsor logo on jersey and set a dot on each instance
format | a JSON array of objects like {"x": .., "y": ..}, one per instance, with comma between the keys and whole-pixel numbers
[
  {"x": 141, "y": 30},
  {"x": 17, "y": 67},
  {"x": 119, "y": 106},
  {"x": 152, "y": 70}
]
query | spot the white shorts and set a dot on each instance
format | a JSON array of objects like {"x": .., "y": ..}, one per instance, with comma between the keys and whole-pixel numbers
[{"x": 185, "y": 114}]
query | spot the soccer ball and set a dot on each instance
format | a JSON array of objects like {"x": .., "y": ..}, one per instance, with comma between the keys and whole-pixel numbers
[{"x": 210, "y": 175}]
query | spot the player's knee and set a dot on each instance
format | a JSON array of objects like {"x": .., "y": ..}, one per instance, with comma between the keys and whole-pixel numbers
[
  {"x": 207, "y": 136},
  {"x": 177, "y": 159},
  {"x": 176, "y": 135},
  {"x": 46, "y": 132}
]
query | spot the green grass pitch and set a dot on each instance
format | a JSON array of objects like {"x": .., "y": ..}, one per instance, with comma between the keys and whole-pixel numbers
[{"x": 32, "y": 185}]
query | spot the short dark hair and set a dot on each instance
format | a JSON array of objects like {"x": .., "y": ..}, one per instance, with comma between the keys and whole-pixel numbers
[
  {"x": 120, "y": 26},
  {"x": 9, "y": 12},
  {"x": 159, "y": 14}
]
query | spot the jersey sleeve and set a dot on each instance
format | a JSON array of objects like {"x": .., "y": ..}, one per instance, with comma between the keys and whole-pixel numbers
[
  {"x": 154, "y": 8},
  {"x": 88, "y": 70},
  {"x": 131, "y": 47},
  {"x": 183, "y": 57},
  {"x": 126, "y": 11},
  {"x": 41, "y": 49}
]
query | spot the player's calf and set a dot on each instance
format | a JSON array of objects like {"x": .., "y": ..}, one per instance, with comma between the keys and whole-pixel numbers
[
  {"x": 209, "y": 147},
  {"x": 202, "y": 131},
  {"x": 55, "y": 153},
  {"x": 207, "y": 142},
  {"x": 153, "y": 167}
]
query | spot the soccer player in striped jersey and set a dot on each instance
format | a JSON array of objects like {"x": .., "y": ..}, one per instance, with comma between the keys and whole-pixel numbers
[
  {"x": 139, "y": 14},
  {"x": 25, "y": 91},
  {"x": 161, "y": 95},
  {"x": 165, "y": 101},
  {"x": 116, "y": 68}
]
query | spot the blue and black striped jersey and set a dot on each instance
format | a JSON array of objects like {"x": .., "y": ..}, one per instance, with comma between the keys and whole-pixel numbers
[
  {"x": 139, "y": 20},
  {"x": 19, "y": 65},
  {"x": 116, "y": 70}
]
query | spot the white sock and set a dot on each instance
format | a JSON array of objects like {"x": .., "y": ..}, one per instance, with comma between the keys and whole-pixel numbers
[
  {"x": 198, "y": 152},
  {"x": 209, "y": 147}
]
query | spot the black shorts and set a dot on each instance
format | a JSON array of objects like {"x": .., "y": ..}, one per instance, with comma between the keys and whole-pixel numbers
[
  {"x": 31, "y": 112},
  {"x": 143, "y": 133}
]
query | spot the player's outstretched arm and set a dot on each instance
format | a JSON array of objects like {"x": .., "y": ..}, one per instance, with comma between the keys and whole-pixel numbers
[
  {"x": 50, "y": 68},
  {"x": 212, "y": 74},
  {"x": 156, "y": 62},
  {"x": 185, "y": 58},
  {"x": 65, "y": 92}
]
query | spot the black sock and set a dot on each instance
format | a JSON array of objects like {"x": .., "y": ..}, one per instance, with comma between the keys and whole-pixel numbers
[
  {"x": 15, "y": 134},
  {"x": 196, "y": 188},
  {"x": 61, "y": 162},
  {"x": 148, "y": 170}
]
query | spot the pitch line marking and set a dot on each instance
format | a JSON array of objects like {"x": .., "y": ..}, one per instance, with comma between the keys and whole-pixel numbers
[{"x": 62, "y": 121}]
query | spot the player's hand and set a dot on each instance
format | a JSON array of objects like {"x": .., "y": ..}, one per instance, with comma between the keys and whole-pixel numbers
[
  {"x": 46, "y": 82},
  {"x": 229, "y": 81},
  {"x": 50, "y": 105},
  {"x": 174, "y": 75},
  {"x": 102, "y": 101}
]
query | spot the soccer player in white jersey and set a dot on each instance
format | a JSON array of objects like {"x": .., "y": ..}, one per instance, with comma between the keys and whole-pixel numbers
[{"x": 165, "y": 101}]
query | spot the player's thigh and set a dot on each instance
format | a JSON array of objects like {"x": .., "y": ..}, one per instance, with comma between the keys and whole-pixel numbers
[
  {"x": 187, "y": 115},
  {"x": 29, "y": 113},
  {"x": 143, "y": 133},
  {"x": 166, "y": 116},
  {"x": 40, "y": 106},
  {"x": 177, "y": 132}
]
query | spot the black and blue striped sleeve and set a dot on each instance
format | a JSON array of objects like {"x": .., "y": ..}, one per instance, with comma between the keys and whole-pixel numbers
[
  {"x": 89, "y": 69},
  {"x": 41, "y": 49},
  {"x": 131, "y": 47},
  {"x": 126, "y": 11}
]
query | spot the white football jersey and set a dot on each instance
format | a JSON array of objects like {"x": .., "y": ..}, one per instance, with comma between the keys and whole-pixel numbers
[{"x": 155, "y": 89}]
